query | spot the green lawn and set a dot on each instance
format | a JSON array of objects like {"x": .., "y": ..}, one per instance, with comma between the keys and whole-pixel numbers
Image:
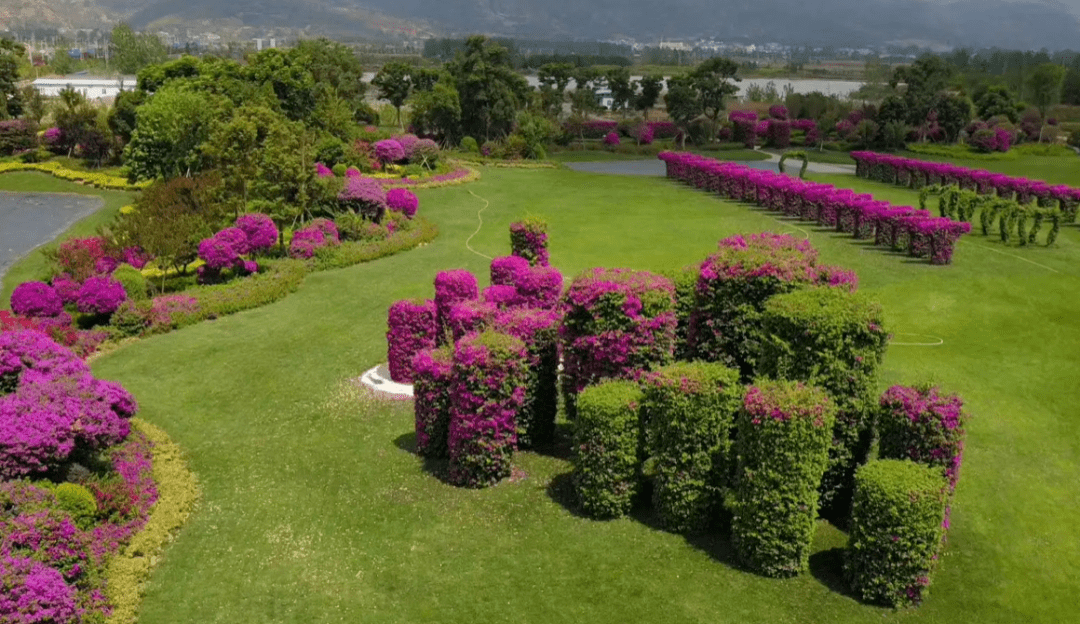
[{"x": 314, "y": 509}]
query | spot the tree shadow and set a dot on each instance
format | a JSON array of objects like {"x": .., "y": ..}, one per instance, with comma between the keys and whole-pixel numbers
[
  {"x": 827, "y": 566},
  {"x": 438, "y": 467},
  {"x": 561, "y": 491},
  {"x": 561, "y": 445}
]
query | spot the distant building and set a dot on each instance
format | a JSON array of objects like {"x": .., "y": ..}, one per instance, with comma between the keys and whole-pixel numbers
[{"x": 92, "y": 88}]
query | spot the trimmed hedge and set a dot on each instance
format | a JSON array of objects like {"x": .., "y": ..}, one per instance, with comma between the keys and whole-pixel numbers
[
  {"x": 685, "y": 281},
  {"x": 784, "y": 431},
  {"x": 431, "y": 404},
  {"x": 689, "y": 409},
  {"x": 528, "y": 239},
  {"x": 411, "y": 327},
  {"x": 486, "y": 393},
  {"x": 539, "y": 330},
  {"x": 896, "y": 531},
  {"x": 925, "y": 426},
  {"x": 607, "y": 443},
  {"x": 834, "y": 339},
  {"x": 451, "y": 287}
]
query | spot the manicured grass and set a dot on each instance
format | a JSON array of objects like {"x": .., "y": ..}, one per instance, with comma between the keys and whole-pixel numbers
[
  {"x": 315, "y": 510},
  {"x": 34, "y": 266}
]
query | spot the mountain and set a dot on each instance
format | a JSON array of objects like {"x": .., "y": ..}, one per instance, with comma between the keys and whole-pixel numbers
[{"x": 1022, "y": 24}]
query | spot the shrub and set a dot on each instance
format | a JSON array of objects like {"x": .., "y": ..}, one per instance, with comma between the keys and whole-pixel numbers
[
  {"x": 132, "y": 280},
  {"x": 689, "y": 409},
  {"x": 468, "y": 144},
  {"x": 31, "y": 592},
  {"x": 16, "y": 135},
  {"x": 539, "y": 287},
  {"x": 130, "y": 319},
  {"x": 425, "y": 153},
  {"x": 487, "y": 392},
  {"x": 500, "y": 297},
  {"x": 836, "y": 340},
  {"x": 617, "y": 324},
  {"x": 507, "y": 270},
  {"x": 611, "y": 139},
  {"x": 36, "y": 300},
  {"x": 685, "y": 281},
  {"x": 305, "y": 241},
  {"x": 469, "y": 316},
  {"x": 539, "y": 330},
  {"x": 920, "y": 424},
  {"x": 403, "y": 201},
  {"x": 260, "y": 231},
  {"x": 100, "y": 295},
  {"x": 784, "y": 431},
  {"x": 607, "y": 441},
  {"x": 78, "y": 502},
  {"x": 431, "y": 400},
  {"x": 451, "y": 287},
  {"x": 897, "y": 522},
  {"x": 733, "y": 287},
  {"x": 411, "y": 328},
  {"x": 364, "y": 196},
  {"x": 66, "y": 287},
  {"x": 528, "y": 239},
  {"x": 79, "y": 257},
  {"x": 389, "y": 151}
]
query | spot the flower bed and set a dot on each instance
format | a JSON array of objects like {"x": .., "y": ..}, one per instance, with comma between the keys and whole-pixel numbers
[{"x": 98, "y": 180}]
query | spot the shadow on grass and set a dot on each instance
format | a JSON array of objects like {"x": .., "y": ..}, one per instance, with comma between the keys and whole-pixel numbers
[
  {"x": 827, "y": 566},
  {"x": 561, "y": 445},
  {"x": 438, "y": 467},
  {"x": 561, "y": 491}
]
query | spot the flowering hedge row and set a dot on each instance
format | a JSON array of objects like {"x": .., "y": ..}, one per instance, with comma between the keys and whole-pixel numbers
[
  {"x": 487, "y": 392},
  {"x": 835, "y": 340},
  {"x": 607, "y": 444},
  {"x": 538, "y": 329},
  {"x": 690, "y": 409},
  {"x": 925, "y": 426},
  {"x": 431, "y": 392},
  {"x": 784, "y": 430},
  {"x": 899, "y": 227},
  {"x": 617, "y": 323},
  {"x": 528, "y": 239},
  {"x": 411, "y": 328},
  {"x": 896, "y": 531}
]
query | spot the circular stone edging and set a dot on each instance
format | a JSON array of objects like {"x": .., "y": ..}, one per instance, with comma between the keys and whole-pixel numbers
[{"x": 378, "y": 379}]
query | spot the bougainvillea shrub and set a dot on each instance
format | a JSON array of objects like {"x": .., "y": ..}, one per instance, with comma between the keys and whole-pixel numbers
[
  {"x": 403, "y": 201},
  {"x": 500, "y": 297},
  {"x": 33, "y": 593},
  {"x": 834, "y": 339},
  {"x": 539, "y": 287},
  {"x": 304, "y": 243},
  {"x": 411, "y": 328},
  {"x": 732, "y": 288},
  {"x": 260, "y": 231},
  {"x": 897, "y": 526},
  {"x": 505, "y": 270},
  {"x": 528, "y": 239},
  {"x": 36, "y": 299},
  {"x": 389, "y": 151},
  {"x": 451, "y": 287},
  {"x": 79, "y": 257},
  {"x": 689, "y": 409},
  {"x": 607, "y": 444},
  {"x": 611, "y": 139},
  {"x": 487, "y": 391},
  {"x": 467, "y": 317},
  {"x": 431, "y": 400},
  {"x": 100, "y": 295},
  {"x": 539, "y": 329},
  {"x": 364, "y": 196},
  {"x": 784, "y": 431},
  {"x": 617, "y": 324},
  {"x": 923, "y": 425}
]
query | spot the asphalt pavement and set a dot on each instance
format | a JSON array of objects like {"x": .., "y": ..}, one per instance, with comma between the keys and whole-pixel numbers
[{"x": 28, "y": 220}]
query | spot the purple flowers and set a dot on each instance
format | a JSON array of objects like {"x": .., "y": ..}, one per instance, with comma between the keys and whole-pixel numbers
[
  {"x": 528, "y": 239},
  {"x": 260, "y": 231},
  {"x": 925, "y": 426},
  {"x": 389, "y": 151},
  {"x": 100, "y": 295},
  {"x": 451, "y": 287},
  {"x": 365, "y": 196},
  {"x": 611, "y": 139},
  {"x": 36, "y": 299},
  {"x": 32, "y": 592},
  {"x": 411, "y": 329},
  {"x": 403, "y": 201}
]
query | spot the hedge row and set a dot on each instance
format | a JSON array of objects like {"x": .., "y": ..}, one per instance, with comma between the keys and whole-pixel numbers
[{"x": 607, "y": 448}]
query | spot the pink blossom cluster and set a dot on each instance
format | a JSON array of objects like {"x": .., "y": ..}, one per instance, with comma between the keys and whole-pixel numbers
[
  {"x": 451, "y": 287},
  {"x": 323, "y": 171},
  {"x": 100, "y": 294},
  {"x": 904, "y": 228},
  {"x": 529, "y": 286},
  {"x": 389, "y": 151},
  {"x": 317, "y": 234},
  {"x": 432, "y": 370},
  {"x": 925, "y": 426},
  {"x": 37, "y": 300},
  {"x": 365, "y": 196},
  {"x": 611, "y": 139},
  {"x": 781, "y": 403},
  {"x": 591, "y": 129},
  {"x": 253, "y": 234},
  {"x": 402, "y": 200},
  {"x": 412, "y": 328},
  {"x": 59, "y": 328},
  {"x": 80, "y": 258},
  {"x": 528, "y": 239}
]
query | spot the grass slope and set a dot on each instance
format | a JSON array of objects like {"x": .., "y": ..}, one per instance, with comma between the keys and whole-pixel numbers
[{"x": 315, "y": 510}]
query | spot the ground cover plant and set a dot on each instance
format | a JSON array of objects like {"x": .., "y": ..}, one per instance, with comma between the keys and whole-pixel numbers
[{"x": 329, "y": 514}]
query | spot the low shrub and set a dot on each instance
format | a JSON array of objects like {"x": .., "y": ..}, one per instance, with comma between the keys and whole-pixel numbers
[
  {"x": 100, "y": 295},
  {"x": 78, "y": 502},
  {"x": 689, "y": 409},
  {"x": 685, "y": 281},
  {"x": 32, "y": 592},
  {"x": 133, "y": 281},
  {"x": 432, "y": 370},
  {"x": 36, "y": 300},
  {"x": 784, "y": 431},
  {"x": 896, "y": 531},
  {"x": 607, "y": 447},
  {"x": 403, "y": 201}
]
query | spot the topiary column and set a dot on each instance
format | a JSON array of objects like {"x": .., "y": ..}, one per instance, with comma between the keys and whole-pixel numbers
[
  {"x": 607, "y": 441},
  {"x": 925, "y": 426},
  {"x": 431, "y": 400},
  {"x": 834, "y": 339},
  {"x": 451, "y": 287},
  {"x": 784, "y": 431},
  {"x": 528, "y": 239},
  {"x": 690, "y": 408},
  {"x": 488, "y": 387},
  {"x": 411, "y": 327},
  {"x": 539, "y": 330},
  {"x": 896, "y": 531}
]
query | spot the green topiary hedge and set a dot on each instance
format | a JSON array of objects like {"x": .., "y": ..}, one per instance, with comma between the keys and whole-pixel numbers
[
  {"x": 834, "y": 339},
  {"x": 685, "y": 281},
  {"x": 607, "y": 443},
  {"x": 896, "y": 531},
  {"x": 689, "y": 408},
  {"x": 784, "y": 431}
]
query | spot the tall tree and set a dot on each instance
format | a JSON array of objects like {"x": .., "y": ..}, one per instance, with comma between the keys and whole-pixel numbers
[
  {"x": 997, "y": 100},
  {"x": 651, "y": 87},
  {"x": 489, "y": 90},
  {"x": 167, "y": 141},
  {"x": 622, "y": 90},
  {"x": 136, "y": 50},
  {"x": 394, "y": 84},
  {"x": 710, "y": 80},
  {"x": 437, "y": 111},
  {"x": 11, "y": 53},
  {"x": 1044, "y": 84},
  {"x": 923, "y": 80}
]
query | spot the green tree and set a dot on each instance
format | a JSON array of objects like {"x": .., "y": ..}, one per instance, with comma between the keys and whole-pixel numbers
[
  {"x": 394, "y": 85},
  {"x": 1044, "y": 85},
  {"x": 133, "y": 51},
  {"x": 953, "y": 114},
  {"x": 997, "y": 100},
  {"x": 651, "y": 87},
  {"x": 123, "y": 112},
  {"x": 81, "y": 125},
  {"x": 622, "y": 90},
  {"x": 61, "y": 62},
  {"x": 291, "y": 82},
  {"x": 167, "y": 141},
  {"x": 423, "y": 78},
  {"x": 11, "y": 101},
  {"x": 438, "y": 111},
  {"x": 682, "y": 102},
  {"x": 489, "y": 90},
  {"x": 923, "y": 80},
  {"x": 1070, "y": 87},
  {"x": 710, "y": 80},
  {"x": 236, "y": 147}
]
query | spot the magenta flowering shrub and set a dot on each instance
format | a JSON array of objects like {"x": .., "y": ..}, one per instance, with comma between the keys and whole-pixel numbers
[
  {"x": 488, "y": 386},
  {"x": 468, "y": 317},
  {"x": 645, "y": 134},
  {"x": 100, "y": 295},
  {"x": 778, "y": 133},
  {"x": 33, "y": 593},
  {"x": 617, "y": 324},
  {"x": 223, "y": 250},
  {"x": 408, "y": 144},
  {"x": 611, "y": 139},
  {"x": 79, "y": 257},
  {"x": 169, "y": 311},
  {"x": 778, "y": 111},
  {"x": 328, "y": 229},
  {"x": 66, "y": 287},
  {"x": 389, "y": 151},
  {"x": 305, "y": 242},
  {"x": 528, "y": 239},
  {"x": 837, "y": 277},
  {"x": 500, "y": 297},
  {"x": 538, "y": 329},
  {"x": 365, "y": 196},
  {"x": 451, "y": 287},
  {"x": 411, "y": 326},
  {"x": 260, "y": 231},
  {"x": 507, "y": 270},
  {"x": 539, "y": 287},
  {"x": 923, "y": 425},
  {"x": 403, "y": 201},
  {"x": 664, "y": 129},
  {"x": 590, "y": 129},
  {"x": 36, "y": 299},
  {"x": 323, "y": 171},
  {"x": 48, "y": 536},
  {"x": 432, "y": 370}
]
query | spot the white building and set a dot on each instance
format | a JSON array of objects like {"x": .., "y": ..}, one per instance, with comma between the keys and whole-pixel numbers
[{"x": 92, "y": 88}]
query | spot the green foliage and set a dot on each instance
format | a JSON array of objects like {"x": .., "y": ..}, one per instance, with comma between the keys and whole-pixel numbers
[
  {"x": 651, "y": 86},
  {"x": 710, "y": 81},
  {"x": 689, "y": 409},
  {"x": 135, "y": 51},
  {"x": 685, "y": 281},
  {"x": 801, "y": 155},
  {"x": 132, "y": 318},
  {"x": 535, "y": 132},
  {"x": 784, "y": 430},
  {"x": 393, "y": 84},
  {"x": 438, "y": 111},
  {"x": 953, "y": 113},
  {"x": 133, "y": 281},
  {"x": 468, "y": 144},
  {"x": 167, "y": 141},
  {"x": 367, "y": 249},
  {"x": 121, "y": 117},
  {"x": 896, "y": 531},
  {"x": 1044, "y": 84},
  {"x": 489, "y": 90},
  {"x": 997, "y": 100},
  {"x": 77, "y": 501},
  {"x": 928, "y": 76},
  {"x": 607, "y": 448},
  {"x": 11, "y": 101}
]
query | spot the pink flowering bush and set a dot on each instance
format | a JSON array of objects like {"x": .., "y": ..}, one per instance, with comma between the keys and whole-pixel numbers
[
  {"x": 323, "y": 171},
  {"x": 539, "y": 287},
  {"x": 507, "y": 270},
  {"x": 260, "y": 231},
  {"x": 412, "y": 328},
  {"x": 317, "y": 234},
  {"x": 364, "y": 196},
  {"x": 100, "y": 295},
  {"x": 432, "y": 370},
  {"x": 538, "y": 329},
  {"x": 645, "y": 135},
  {"x": 528, "y": 239},
  {"x": 784, "y": 431},
  {"x": 925, "y": 426},
  {"x": 36, "y": 299},
  {"x": 408, "y": 144},
  {"x": 617, "y": 324},
  {"x": 79, "y": 257},
  {"x": 451, "y": 287},
  {"x": 468, "y": 317},
  {"x": 403, "y": 201},
  {"x": 487, "y": 392},
  {"x": 590, "y": 129},
  {"x": 611, "y": 139},
  {"x": 500, "y": 297},
  {"x": 66, "y": 287},
  {"x": 389, "y": 151},
  {"x": 33, "y": 593}
]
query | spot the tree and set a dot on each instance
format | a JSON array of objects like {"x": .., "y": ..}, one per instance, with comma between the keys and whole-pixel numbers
[
  {"x": 289, "y": 79},
  {"x": 1070, "y": 87},
  {"x": 554, "y": 78},
  {"x": 61, "y": 62},
  {"x": 996, "y": 101},
  {"x": 953, "y": 114},
  {"x": 167, "y": 141},
  {"x": 710, "y": 80},
  {"x": 682, "y": 102},
  {"x": 1044, "y": 84},
  {"x": 11, "y": 101},
  {"x": 892, "y": 110},
  {"x": 122, "y": 115},
  {"x": 438, "y": 111},
  {"x": 489, "y": 90},
  {"x": 393, "y": 83},
  {"x": 651, "y": 87},
  {"x": 135, "y": 51},
  {"x": 236, "y": 147},
  {"x": 622, "y": 90},
  {"x": 924, "y": 79},
  {"x": 81, "y": 126}
]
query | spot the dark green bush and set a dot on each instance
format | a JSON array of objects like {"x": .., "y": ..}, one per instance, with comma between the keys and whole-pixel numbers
[
  {"x": 896, "y": 531},
  {"x": 689, "y": 409},
  {"x": 835, "y": 339},
  {"x": 132, "y": 318},
  {"x": 468, "y": 144},
  {"x": 685, "y": 280},
  {"x": 784, "y": 431},
  {"x": 133, "y": 281},
  {"x": 607, "y": 439}
]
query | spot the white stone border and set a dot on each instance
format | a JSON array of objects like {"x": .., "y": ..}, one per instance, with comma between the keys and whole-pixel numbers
[{"x": 378, "y": 379}]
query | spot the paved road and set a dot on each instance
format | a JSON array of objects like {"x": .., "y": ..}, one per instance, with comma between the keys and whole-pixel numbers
[{"x": 28, "y": 220}]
